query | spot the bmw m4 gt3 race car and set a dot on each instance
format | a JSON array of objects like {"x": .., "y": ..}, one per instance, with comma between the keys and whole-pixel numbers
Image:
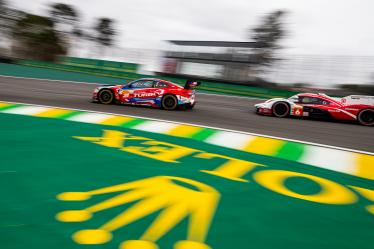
[
  {"x": 355, "y": 107},
  {"x": 148, "y": 92}
]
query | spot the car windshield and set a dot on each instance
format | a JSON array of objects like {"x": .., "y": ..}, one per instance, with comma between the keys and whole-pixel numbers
[
  {"x": 129, "y": 83},
  {"x": 140, "y": 83},
  {"x": 294, "y": 98}
]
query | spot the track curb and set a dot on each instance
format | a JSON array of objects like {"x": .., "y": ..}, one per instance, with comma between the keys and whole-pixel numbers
[{"x": 355, "y": 163}]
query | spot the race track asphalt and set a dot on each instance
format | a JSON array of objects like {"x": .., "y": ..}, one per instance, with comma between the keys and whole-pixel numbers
[{"x": 227, "y": 112}]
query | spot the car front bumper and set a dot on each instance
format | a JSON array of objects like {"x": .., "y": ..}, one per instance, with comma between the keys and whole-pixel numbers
[
  {"x": 94, "y": 97},
  {"x": 263, "y": 109}
]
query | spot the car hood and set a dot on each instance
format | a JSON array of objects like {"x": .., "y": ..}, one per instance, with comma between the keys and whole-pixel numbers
[
  {"x": 108, "y": 86},
  {"x": 269, "y": 102}
]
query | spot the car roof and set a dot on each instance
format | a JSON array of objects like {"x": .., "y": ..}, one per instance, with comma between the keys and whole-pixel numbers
[
  {"x": 318, "y": 95},
  {"x": 156, "y": 79},
  {"x": 314, "y": 95},
  {"x": 310, "y": 94}
]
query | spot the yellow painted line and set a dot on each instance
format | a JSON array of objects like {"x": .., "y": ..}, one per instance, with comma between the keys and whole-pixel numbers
[
  {"x": 264, "y": 146},
  {"x": 4, "y": 104},
  {"x": 365, "y": 166},
  {"x": 116, "y": 120},
  {"x": 53, "y": 113},
  {"x": 184, "y": 131}
]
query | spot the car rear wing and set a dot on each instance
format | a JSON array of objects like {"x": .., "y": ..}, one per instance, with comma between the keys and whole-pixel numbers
[
  {"x": 358, "y": 99},
  {"x": 190, "y": 84}
]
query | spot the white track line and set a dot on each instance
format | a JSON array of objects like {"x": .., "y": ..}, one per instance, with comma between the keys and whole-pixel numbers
[
  {"x": 230, "y": 139},
  {"x": 90, "y": 117},
  {"x": 327, "y": 158},
  {"x": 155, "y": 126},
  {"x": 210, "y": 127},
  {"x": 26, "y": 110}
]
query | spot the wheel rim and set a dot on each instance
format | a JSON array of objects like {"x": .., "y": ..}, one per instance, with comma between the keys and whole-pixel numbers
[
  {"x": 367, "y": 117},
  {"x": 169, "y": 103},
  {"x": 105, "y": 97},
  {"x": 280, "y": 110}
]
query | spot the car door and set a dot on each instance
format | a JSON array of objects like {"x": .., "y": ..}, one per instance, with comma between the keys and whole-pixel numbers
[
  {"x": 314, "y": 107},
  {"x": 140, "y": 92},
  {"x": 159, "y": 88}
]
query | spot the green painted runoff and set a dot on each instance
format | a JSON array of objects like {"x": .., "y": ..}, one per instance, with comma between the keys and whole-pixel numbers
[{"x": 44, "y": 162}]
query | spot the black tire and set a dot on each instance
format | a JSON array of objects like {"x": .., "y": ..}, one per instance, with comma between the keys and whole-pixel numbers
[
  {"x": 281, "y": 109},
  {"x": 366, "y": 117},
  {"x": 106, "y": 97},
  {"x": 169, "y": 102}
]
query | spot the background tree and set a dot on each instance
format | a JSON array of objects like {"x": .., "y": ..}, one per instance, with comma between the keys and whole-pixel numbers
[
  {"x": 105, "y": 32},
  {"x": 34, "y": 37},
  {"x": 267, "y": 36},
  {"x": 3, "y": 16},
  {"x": 8, "y": 18},
  {"x": 66, "y": 19},
  {"x": 64, "y": 14}
]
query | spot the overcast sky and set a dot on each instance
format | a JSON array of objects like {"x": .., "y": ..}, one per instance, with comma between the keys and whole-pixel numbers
[{"x": 328, "y": 27}]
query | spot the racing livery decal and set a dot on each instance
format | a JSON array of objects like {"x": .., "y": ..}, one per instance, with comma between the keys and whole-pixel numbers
[{"x": 150, "y": 92}]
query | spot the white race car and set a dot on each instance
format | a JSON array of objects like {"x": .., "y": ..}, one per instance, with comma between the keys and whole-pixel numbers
[{"x": 355, "y": 107}]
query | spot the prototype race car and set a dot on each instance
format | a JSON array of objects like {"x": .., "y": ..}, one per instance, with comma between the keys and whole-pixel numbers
[
  {"x": 148, "y": 92},
  {"x": 354, "y": 107}
]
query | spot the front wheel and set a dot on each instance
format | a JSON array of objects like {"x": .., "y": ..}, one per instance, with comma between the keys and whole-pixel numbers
[
  {"x": 169, "y": 102},
  {"x": 106, "y": 96},
  {"x": 281, "y": 109},
  {"x": 366, "y": 117}
]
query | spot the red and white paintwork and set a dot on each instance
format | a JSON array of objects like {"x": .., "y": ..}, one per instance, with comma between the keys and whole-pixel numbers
[
  {"x": 346, "y": 108},
  {"x": 150, "y": 96}
]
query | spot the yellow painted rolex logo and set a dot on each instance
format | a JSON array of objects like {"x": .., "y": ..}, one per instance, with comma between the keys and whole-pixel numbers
[{"x": 167, "y": 194}]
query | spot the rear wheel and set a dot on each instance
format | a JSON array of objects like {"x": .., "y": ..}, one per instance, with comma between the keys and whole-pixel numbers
[
  {"x": 169, "y": 102},
  {"x": 106, "y": 96},
  {"x": 281, "y": 109},
  {"x": 366, "y": 117}
]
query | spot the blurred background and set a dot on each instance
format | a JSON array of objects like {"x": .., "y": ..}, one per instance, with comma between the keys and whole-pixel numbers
[{"x": 286, "y": 45}]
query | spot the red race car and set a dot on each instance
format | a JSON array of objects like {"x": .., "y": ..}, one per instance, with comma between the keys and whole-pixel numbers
[
  {"x": 148, "y": 92},
  {"x": 355, "y": 107}
]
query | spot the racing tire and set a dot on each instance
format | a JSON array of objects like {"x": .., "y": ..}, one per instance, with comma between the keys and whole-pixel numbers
[
  {"x": 169, "y": 102},
  {"x": 281, "y": 110},
  {"x": 366, "y": 117},
  {"x": 106, "y": 97}
]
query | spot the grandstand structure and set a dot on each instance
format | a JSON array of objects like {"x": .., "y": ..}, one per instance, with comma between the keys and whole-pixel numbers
[{"x": 224, "y": 60}]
